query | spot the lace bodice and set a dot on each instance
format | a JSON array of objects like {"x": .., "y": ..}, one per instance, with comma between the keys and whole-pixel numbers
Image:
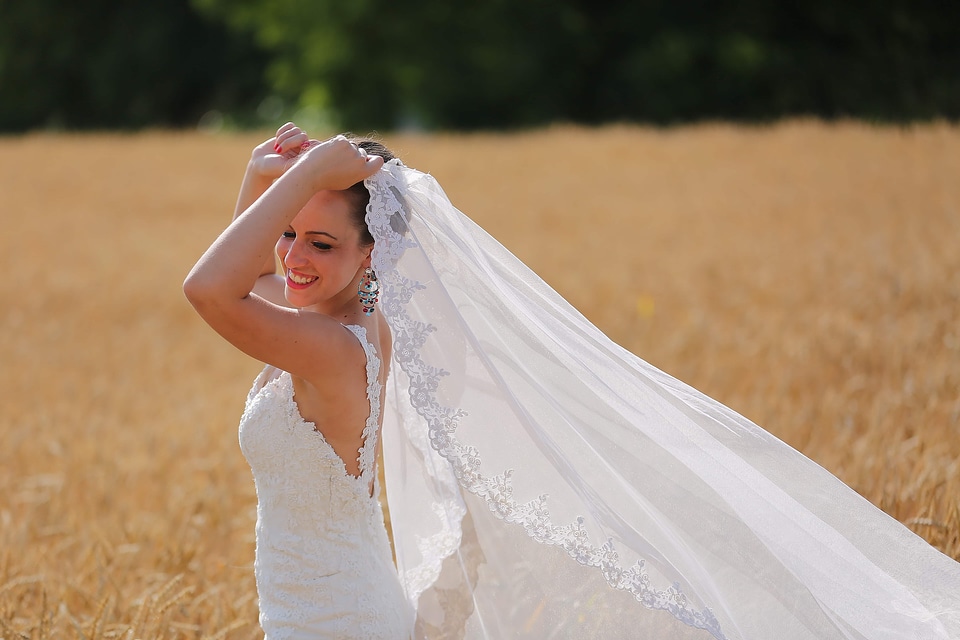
[{"x": 323, "y": 560}]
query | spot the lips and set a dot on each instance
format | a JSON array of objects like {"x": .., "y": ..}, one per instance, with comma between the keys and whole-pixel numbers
[{"x": 299, "y": 281}]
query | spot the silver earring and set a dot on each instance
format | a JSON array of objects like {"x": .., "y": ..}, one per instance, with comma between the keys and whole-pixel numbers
[{"x": 368, "y": 291}]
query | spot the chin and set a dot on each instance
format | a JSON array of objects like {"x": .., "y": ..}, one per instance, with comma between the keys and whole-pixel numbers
[{"x": 294, "y": 299}]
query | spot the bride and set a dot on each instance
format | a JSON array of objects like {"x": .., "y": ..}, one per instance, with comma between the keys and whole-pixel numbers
[{"x": 543, "y": 482}]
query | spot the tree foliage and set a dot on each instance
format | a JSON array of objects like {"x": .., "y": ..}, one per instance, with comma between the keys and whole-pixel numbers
[
  {"x": 379, "y": 63},
  {"x": 491, "y": 64},
  {"x": 118, "y": 64}
]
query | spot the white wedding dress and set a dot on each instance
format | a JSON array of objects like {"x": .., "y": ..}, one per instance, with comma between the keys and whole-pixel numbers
[{"x": 323, "y": 561}]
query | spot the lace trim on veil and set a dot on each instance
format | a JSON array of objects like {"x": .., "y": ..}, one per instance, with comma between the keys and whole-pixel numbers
[{"x": 386, "y": 218}]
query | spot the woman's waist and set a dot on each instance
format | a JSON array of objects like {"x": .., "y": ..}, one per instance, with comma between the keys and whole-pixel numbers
[
  {"x": 308, "y": 516},
  {"x": 319, "y": 543}
]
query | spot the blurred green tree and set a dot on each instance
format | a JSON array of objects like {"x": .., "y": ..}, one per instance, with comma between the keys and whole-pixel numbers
[
  {"x": 118, "y": 64},
  {"x": 366, "y": 64},
  {"x": 375, "y": 63}
]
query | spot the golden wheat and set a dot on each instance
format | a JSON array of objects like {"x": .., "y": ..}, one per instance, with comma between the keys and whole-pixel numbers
[{"x": 808, "y": 275}]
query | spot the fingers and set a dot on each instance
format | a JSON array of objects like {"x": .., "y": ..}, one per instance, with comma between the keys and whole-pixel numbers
[
  {"x": 359, "y": 150},
  {"x": 372, "y": 163},
  {"x": 274, "y": 156},
  {"x": 338, "y": 164},
  {"x": 290, "y": 138}
]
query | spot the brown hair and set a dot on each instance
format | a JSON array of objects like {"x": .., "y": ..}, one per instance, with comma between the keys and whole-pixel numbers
[{"x": 357, "y": 195}]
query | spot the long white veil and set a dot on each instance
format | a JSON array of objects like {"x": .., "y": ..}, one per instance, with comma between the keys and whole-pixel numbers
[{"x": 544, "y": 482}]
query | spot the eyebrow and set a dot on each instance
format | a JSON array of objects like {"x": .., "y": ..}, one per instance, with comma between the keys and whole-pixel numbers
[{"x": 320, "y": 233}]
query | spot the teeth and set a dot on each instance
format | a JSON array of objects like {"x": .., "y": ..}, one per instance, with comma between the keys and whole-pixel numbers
[{"x": 300, "y": 279}]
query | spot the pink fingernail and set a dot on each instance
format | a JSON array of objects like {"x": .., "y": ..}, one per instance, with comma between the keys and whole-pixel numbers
[{"x": 276, "y": 148}]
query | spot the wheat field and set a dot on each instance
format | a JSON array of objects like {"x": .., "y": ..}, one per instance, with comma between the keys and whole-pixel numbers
[{"x": 805, "y": 274}]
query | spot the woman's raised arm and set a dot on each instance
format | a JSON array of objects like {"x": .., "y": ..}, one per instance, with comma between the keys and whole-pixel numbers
[
  {"x": 220, "y": 283},
  {"x": 267, "y": 163}
]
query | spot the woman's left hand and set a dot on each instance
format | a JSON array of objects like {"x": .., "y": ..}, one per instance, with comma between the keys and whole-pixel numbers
[{"x": 336, "y": 164}]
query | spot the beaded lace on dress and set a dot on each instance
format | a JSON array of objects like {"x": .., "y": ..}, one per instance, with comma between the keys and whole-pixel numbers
[{"x": 323, "y": 562}]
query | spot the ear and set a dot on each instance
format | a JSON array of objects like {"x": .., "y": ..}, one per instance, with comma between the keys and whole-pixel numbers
[{"x": 368, "y": 257}]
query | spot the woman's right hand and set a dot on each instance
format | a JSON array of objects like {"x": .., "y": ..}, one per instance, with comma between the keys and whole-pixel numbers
[{"x": 272, "y": 157}]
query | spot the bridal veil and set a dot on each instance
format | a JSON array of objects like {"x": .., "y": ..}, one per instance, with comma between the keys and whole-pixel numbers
[{"x": 544, "y": 482}]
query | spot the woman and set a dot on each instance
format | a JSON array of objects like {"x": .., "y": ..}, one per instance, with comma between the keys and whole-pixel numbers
[
  {"x": 311, "y": 427},
  {"x": 544, "y": 482}
]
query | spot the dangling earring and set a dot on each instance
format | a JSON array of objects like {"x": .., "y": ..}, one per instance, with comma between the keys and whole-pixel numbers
[{"x": 368, "y": 291}]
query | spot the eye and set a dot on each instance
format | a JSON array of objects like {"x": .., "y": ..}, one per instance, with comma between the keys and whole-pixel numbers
[
  {"x": 322, "y": 246},
  {"x": 289, "y": 234}
]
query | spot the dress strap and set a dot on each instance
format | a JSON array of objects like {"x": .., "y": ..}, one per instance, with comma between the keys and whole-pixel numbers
[{"x": 368, "y": 447}]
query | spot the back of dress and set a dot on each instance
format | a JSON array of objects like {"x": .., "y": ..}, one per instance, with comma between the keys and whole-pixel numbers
[{"x": 323, "y": 563}]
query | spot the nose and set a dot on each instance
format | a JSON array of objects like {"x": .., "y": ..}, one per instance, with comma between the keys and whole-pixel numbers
[{"x": 293, "y": 257}]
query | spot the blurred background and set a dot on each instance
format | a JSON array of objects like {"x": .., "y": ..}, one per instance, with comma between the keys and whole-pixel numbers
[{"x": 374, "y": 64}]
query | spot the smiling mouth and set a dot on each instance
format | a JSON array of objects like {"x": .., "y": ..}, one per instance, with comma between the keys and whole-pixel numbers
[{"x": 298, "y": 281}]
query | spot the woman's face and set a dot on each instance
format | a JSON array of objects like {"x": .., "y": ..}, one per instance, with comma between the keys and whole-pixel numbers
[{"x": 321, "y": 255}]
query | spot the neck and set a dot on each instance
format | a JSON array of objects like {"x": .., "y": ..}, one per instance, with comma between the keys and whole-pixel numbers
[{"x": 344, "y": 307}]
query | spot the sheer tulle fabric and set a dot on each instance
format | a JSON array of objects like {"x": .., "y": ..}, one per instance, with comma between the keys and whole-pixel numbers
[{"x": 546, "y": 483}]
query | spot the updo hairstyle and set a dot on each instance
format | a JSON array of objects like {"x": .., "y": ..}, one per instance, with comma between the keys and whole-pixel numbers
[{"x": 357, "y": 195}]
